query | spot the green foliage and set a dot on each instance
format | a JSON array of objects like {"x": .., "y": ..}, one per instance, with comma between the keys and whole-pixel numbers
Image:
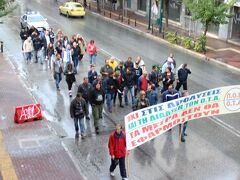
[
  {"x": 200, "y": 44},
  {"x": 187, "y": 42},
  {"x": 171, "y": 37},
  {"x": 209, "y": 11},
  {"x": 2, "y": 5}
]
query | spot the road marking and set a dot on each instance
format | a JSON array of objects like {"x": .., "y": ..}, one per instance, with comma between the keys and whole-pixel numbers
[
  {"x": 225, "y": 125},
  {"x": 7, "y": 170}
]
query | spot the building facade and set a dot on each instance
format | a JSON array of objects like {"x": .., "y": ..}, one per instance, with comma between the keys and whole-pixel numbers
[{"x": 180, "y": 17}]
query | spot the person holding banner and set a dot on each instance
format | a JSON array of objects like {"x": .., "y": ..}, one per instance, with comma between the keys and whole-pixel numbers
[
  {"x": 170, "y": 94},
  {"x": 184, "y": 94},
  {"x": 117, "y": 151}
]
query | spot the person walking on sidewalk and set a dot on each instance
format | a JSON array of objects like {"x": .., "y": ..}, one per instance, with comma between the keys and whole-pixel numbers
[
  {"x": 85, "y": 89},
  {"x": 96, "y": 99},
  {"x": 28, "y": 49},
  {"x": 182, "y": 77},
  {"x": 57, "y": 70},
  {"x": 78, "y": 109},
  {"x": 117, "y": 151},
  {"x": 70, "y": 78},
  {"x": 92, "y": 51}
]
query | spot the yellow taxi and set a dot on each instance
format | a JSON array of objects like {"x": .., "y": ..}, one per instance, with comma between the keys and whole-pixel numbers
[{"x": 72, "y": 9}]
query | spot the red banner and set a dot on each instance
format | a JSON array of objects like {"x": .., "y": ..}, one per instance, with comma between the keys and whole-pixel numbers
[{"x": 28, "y": 113}]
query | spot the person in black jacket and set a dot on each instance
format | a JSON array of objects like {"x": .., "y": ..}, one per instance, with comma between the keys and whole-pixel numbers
[
  {"x": 119, "y": 88},
  {"x": 96, "y": 98},
  {"x": 129, "y": 83},
  {"x": 23, "y": 35},
  {"x": 138, "y": 73},
  {"x": 37, "y": 45},
  {"x": 76, "y": 51},
  {"x": 111, "y": 86},
  {"x": 70, "y": 78},
  {"x": 85, "y": 89},
  {"x": 168, "y": 79},
  {"x": 78, "y": 109},
  {"x": 92, "y": 74},
  {"x": 154, "y": 76},
  {"x": 182, "y": 77}
]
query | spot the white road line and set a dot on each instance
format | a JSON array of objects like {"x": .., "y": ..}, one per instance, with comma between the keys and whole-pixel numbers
[{"x": 225, "y": 125}]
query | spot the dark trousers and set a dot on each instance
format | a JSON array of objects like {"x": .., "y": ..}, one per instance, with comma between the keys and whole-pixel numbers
[
  {"x": 121, "y": 162},
  {"x": 119, "y": 97},
  {"x": 181, "y": 83},
  {"x": 69, "y": 83}
]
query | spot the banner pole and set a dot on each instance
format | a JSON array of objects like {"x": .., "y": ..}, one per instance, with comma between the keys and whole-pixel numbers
[
  {"x": 128, "y": 165},
  {"x": 180, "y": 132}
]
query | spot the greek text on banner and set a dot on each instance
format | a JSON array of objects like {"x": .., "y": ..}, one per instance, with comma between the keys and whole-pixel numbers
[{"x": 145, "y": 124}]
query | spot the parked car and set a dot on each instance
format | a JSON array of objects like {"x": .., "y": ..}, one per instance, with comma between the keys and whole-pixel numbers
[
  {"x": 35, "y": 19},
  {"x": 72, "y": 9}
]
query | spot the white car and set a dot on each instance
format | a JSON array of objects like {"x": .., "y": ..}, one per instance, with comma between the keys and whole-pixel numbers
[{"x": 35, "y": 19}]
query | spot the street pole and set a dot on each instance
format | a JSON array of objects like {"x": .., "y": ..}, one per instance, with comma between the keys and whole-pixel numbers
[
  {"x": 149, "y": 16},
  {"x": 160, "y": 16}
]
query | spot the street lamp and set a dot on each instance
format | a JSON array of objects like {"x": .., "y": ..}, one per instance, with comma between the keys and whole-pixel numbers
[{"x": 149, "y": 16}]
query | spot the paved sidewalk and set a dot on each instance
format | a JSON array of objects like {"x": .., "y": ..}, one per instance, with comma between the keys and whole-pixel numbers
[
  {"x": 216, "y": 49},
  {"x": 29, "y": 151}
]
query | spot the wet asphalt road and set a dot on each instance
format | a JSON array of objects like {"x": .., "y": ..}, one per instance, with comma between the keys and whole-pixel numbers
[{"x": 212, "y": 147}]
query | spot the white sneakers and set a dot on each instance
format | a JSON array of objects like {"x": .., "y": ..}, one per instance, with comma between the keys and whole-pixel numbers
[{"x": 112, "y": 174}]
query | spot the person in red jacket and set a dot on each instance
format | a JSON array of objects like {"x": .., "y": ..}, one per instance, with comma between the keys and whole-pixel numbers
[{"x": 117, "y": 150}]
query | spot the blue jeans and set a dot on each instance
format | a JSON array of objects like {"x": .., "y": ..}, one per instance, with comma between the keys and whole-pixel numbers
[
  {"x": 184, "y": 129},
  {"x": 28, "y": 56},
  {"x": 58, "y": 78},
  {"x": 126, "y": 89},
  {"x": 79, "y": 121},
  {"x": 121, "y": 162},
  {"x": 92, "y": 59},
  {"x": 75, "y": 63},
  {"x": 109, "y": 98}
]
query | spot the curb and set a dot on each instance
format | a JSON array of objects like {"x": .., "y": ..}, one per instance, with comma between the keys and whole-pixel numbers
[{"x": 165, "y": 42}]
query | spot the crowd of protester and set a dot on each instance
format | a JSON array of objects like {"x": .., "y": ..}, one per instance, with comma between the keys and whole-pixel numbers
[{"x": 115, "y": 80}]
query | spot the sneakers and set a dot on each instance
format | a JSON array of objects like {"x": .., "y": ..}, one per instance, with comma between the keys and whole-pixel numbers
[
  {"x": 77, "y": 135},
  {"x": 124, "y": 178},
  {"x": 112, "y": 174},
  {"x": 88, "y": 118},
  {"x": 70, "y": 93},
  {"x": 83, "y": 136},
  {"x": 183, "y": 139}
]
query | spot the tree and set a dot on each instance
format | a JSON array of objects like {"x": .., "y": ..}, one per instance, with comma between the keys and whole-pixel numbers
[
  {"x": 2, "y": 5},
  {"x": 209, "y": 11},
  {"x": 166, "y": 4}
]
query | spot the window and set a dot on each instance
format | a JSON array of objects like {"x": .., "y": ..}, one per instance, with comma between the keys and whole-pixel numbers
[
  {"x": 175, "y": 9},
  {"x": 142, "y": 5}
]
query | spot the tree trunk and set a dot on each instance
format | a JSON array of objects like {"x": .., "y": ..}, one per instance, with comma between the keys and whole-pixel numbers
[
  {"x": 206, "y": 28},
  {"x": 166, "y": 13}
]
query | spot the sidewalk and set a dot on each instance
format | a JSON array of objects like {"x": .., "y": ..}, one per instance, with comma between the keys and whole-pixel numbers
[
  {"x": 216, "y": 49},
  {"x": 29, "y": 150}
]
